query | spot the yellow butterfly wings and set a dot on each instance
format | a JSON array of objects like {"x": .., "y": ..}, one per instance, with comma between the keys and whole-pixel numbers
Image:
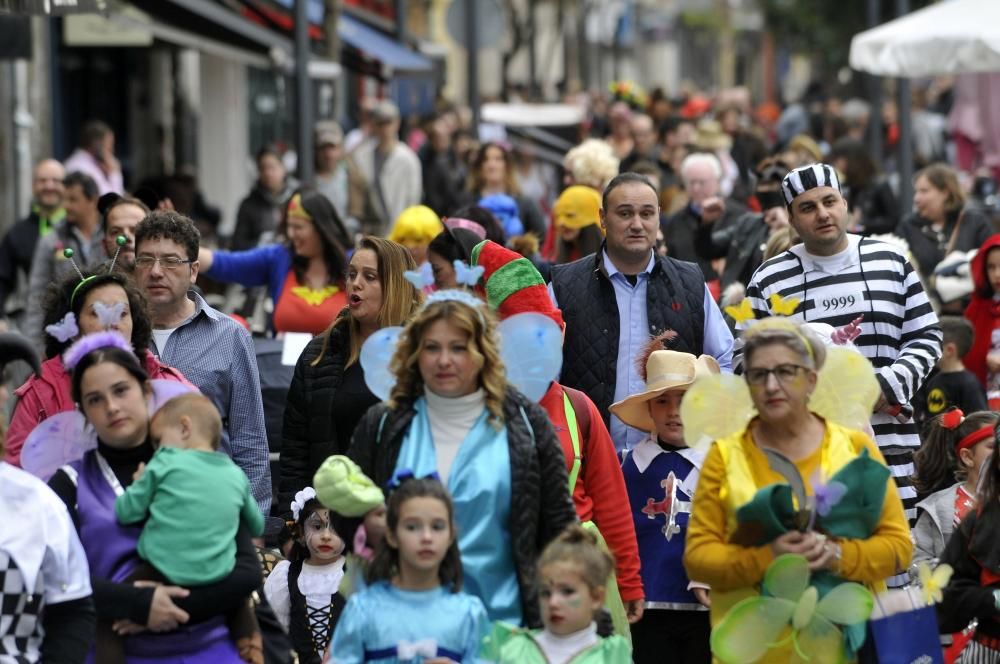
[{"x": 781, "y": 306}]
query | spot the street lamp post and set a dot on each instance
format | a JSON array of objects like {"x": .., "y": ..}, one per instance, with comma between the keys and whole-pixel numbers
[
  {"x": 472, "y": 50},
  {"x": 303, "y": 93},
  {"x": 904, "y": 150}
]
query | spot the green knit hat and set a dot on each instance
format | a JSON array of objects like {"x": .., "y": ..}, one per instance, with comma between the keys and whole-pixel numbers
[
  {"x": 513, "y": 284},
  {"x": 342, "y": 487}
]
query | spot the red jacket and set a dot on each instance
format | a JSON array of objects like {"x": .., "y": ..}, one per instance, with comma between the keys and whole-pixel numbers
[
  {"x": 41, "y": 397},
  {"x": 982, "y": 312},
  {"x": 599, "y": 494}
]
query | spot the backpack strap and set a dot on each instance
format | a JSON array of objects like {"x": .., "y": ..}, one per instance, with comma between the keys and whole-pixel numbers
[{"x": 578, "y": 422}]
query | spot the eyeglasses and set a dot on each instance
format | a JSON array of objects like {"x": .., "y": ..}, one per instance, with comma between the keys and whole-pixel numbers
[
  {"x": 784, "y": 373},
  {"x": 166, "y": 262}
]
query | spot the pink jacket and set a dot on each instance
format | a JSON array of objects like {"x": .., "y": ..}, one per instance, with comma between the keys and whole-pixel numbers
[{"x": 42, "y": 397}]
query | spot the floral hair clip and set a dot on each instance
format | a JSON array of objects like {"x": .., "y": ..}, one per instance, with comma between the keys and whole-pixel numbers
[
  {"x": 65, "y": 329},
  {"x": 91, "y": 342},
  {"x": 952, "y": 419},
  {"x": 301, "y": 498},
  {"x": 401, "y": 476}
]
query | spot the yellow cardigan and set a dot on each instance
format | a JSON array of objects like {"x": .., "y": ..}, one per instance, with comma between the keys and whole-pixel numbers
[{"x": 710, "y": 558}]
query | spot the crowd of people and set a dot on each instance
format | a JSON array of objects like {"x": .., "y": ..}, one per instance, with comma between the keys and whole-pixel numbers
[{"x": 773, "y": 381}]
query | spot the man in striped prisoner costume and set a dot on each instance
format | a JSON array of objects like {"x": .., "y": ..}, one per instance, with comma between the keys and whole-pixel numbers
[{"x": 839, "y": 277}]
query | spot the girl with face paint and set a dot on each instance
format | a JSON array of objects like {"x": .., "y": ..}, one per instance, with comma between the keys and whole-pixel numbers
[
  {"x": 572, "y": 578},
  {"x": 304, "y": 590}
]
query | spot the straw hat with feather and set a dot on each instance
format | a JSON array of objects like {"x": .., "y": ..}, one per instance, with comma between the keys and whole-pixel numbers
[{"x": 664, "y": 370}]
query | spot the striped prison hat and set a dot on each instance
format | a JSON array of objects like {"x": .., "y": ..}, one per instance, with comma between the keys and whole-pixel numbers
[{"x": 804, "y": 178}]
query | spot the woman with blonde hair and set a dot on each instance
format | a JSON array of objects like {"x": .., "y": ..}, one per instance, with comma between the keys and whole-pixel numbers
[
  {"x": 328, "y": 395},
  {"x": 453, "y": 414}
]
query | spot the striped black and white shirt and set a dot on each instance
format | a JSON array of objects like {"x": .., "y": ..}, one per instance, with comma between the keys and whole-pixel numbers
[{"x": 899, "y": 330}]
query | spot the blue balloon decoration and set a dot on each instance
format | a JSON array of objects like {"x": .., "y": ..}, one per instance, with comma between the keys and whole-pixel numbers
[
  {"x": 376, "y": 353},
  {"x": 531, "y": 350}
]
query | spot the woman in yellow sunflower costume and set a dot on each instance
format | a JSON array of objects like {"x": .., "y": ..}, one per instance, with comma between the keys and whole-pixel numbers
[
  {"x": 791, "y": 504},
  {"x": 304, "y": 275}
]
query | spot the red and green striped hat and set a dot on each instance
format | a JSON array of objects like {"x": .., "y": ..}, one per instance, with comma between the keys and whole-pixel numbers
[{"x": 513, "y": 284}]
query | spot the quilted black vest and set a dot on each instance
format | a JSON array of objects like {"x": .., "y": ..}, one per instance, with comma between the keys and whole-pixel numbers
[{"x": 674, "y": 301}]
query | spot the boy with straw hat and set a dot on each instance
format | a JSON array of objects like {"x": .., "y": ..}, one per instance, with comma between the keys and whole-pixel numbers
[{"x": 661, "y": 473}]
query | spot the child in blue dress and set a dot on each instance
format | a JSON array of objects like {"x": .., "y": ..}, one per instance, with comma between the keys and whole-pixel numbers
[{"x": 413, "y": 609}]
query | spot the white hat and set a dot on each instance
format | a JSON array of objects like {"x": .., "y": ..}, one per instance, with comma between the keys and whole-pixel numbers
[
  {"x": 804, "y": 178},
  {"x": 665, "y": 370}
]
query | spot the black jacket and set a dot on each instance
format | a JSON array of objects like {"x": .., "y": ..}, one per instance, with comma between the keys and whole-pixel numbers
[
  {"x": 971, "y": 551},
  {"x": 675, "y": 298},
  {"x": 259, "y": 213},
  {"x": 878, "y": 205},
  {"x": 540, "y": 504},
  {"x": 928, "y": 247},
  {"x": 309, "y": 433},
  {"x": 16, "y": 251},
  {"x": 681, "y": 228},
  {"x": 741, "y": 244}
]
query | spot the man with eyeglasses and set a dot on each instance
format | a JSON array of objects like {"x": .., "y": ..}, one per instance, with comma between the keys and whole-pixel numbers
[
  {"x": 212, "y": 350},
  {"x": 839, "y": 277}
]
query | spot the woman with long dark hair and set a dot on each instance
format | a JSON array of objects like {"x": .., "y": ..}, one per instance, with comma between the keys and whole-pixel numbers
[
  {"x": 492, "y": 174},
  {"x": 304, "y": 275}
]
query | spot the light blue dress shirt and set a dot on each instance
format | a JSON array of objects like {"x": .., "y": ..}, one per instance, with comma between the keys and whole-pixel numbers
[{"x": 634, "y": 334}]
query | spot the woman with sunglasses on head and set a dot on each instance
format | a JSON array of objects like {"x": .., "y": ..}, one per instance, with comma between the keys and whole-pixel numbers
[
  {"x": 304, "y": 275},
  {"x": 101, "y": 300},
  {"x": 730, "y": 544}
]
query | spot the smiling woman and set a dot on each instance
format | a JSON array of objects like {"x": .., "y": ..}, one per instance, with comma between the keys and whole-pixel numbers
[{"x": 304, "y": 276}]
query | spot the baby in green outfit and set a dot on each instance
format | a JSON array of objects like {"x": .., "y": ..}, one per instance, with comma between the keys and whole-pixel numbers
[{"x": 192, "y": 499}]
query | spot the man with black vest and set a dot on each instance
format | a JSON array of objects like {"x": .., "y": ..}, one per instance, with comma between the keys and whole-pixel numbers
[{"x": 614, "y": 301}]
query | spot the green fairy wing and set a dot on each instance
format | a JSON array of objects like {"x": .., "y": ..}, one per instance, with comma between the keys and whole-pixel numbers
[
  {"x": 787, "y": 577},
  {"x": 751, "y": 628},
  {"x": 846, "y": 604},
  {"x": 819, "y": 642}
]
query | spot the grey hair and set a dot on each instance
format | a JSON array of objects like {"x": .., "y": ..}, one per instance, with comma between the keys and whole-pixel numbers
[
  {"x": 702, "y": 159},
  {"x": 800, "y": 340}
]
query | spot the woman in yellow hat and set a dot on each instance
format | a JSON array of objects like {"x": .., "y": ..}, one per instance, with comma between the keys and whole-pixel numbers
[{"x": 577, "y": 215}]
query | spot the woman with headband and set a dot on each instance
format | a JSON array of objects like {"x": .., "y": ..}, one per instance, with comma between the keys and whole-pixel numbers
[
  {"x": 84, "y": 302},
  {"x": 304, "y": 274}
]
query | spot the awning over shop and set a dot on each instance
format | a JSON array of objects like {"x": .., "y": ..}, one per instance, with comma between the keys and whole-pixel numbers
[
  {"x": 393, "y": 55},
  {"x": 209, "y": 26}
]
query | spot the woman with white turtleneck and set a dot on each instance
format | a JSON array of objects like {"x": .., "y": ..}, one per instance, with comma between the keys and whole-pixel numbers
[{"x": 452, "y": 413}]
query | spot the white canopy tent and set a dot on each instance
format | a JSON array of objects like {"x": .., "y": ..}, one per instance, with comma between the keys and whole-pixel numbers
[{"x": 949, "y": 37}]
